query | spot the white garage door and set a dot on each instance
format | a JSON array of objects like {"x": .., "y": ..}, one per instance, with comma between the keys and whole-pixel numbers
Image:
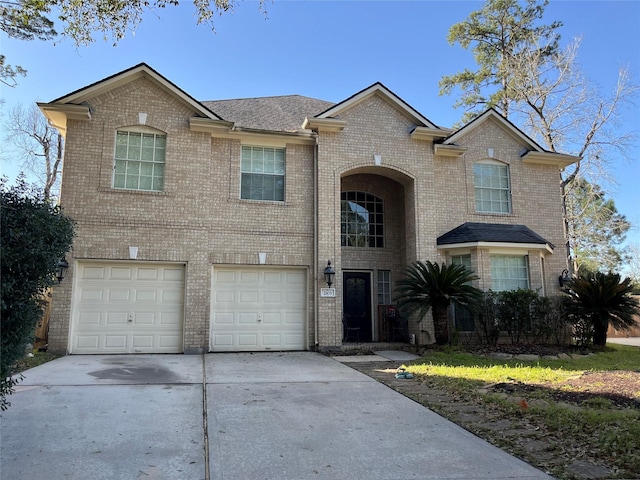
[
  {"x": 128, "y": 308},
  {"x": 257, "y": 309}
]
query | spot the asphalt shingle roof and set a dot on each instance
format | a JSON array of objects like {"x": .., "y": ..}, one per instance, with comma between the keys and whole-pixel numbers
[
  {"x": 284, "y": 113},
  {"x": 470, "y": 232}
]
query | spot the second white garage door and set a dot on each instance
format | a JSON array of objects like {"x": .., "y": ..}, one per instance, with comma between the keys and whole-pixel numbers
[{"x": 257, "y": 309}]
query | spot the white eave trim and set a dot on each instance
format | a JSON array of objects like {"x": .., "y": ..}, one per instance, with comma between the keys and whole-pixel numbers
[
  {"x": 429, "y": 134},
  {"x": 443, "y": 150},
  {"x": 561, "y": 160},
  {"x": 225, "y": 129},
  {"x": 498, "y": 245},
  {"x": 209, "y": 125},
  {"x": 59, "y": 113},
  {"x": 324, "y": 124}
]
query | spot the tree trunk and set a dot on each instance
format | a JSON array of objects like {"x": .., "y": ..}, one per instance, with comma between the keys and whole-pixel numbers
[
  {"x": 600, "y": 328},
  {"x": 441, "y": 324}
]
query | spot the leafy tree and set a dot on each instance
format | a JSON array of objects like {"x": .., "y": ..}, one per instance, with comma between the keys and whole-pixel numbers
[
  {"x": 81, "y": 19},
  {"x": 500, "y": 32},
  {"x": 9, "y": 73},
  {"x": 543, "y": 89},
  {"x": 430, "y": 286},
  {"x": 21, "y": 20},
  {"x": 29, "y": 19},
  {"x": 601, "y": 299},
  {"x": 39, "y": 145},
  {"x": 633, "y": 267},
  {"x": 596, "y": 229},
  {"x": 35, "y": 235}
]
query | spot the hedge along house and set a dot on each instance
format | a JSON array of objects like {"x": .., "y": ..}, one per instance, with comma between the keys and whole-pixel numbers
[{"x": 207, "y": 225}]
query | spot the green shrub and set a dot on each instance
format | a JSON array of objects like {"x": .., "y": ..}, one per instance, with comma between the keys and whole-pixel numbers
[{"x": 34, "y": 235}]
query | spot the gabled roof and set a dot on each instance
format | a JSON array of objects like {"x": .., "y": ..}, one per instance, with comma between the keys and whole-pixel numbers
[
  {"x": 284, "y": 113},
  {"x": 486, "y": 234},
  {"x": 128, "y": 75},
  {"x": 73, "y": 105},
  {"x": 330, "y": 116},
  {"x": 531, "y": 153}
]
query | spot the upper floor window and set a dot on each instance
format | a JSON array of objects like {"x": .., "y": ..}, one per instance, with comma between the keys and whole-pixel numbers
[
  {"x": 493, "y": 191},
  {"x": 362, "y": 220},
  {"x": 139, "y": 160},
  {"x": 263, "y": 173},
  {"x": 509, "y": 272}
]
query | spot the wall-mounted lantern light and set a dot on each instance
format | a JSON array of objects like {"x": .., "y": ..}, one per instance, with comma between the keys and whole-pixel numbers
[
  {"x": 564, "y": 278},
  {"x": 329, "y": 273},
  {"x": 62, "y": 268}
]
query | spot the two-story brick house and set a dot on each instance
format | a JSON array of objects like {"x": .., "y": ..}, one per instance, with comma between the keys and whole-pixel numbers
[{"x": 207, "y": 225}]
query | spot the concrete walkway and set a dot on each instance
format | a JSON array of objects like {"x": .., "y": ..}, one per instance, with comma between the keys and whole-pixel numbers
[
  {"x": 231, "y": 416},
  {"x": 633, "y": 341}
]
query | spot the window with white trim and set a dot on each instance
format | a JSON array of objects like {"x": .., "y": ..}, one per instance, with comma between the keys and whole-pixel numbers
[
  {"x": 384, "y": 287},
  {"x": 492, "y": 187},
  {"x": 139, "y": 160},
  {"x": 509, "y": 272},
  {"x": 262, "y": 173}
]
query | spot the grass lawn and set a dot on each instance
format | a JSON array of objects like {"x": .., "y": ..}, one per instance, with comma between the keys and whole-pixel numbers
[{"x": 580, "y": 409}]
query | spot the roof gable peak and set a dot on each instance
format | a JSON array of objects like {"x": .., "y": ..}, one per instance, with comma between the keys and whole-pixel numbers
[{"x": 391, "y": 97}]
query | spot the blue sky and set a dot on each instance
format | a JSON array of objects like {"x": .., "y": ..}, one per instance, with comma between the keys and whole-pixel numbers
[{"x": 328, "y": 50}]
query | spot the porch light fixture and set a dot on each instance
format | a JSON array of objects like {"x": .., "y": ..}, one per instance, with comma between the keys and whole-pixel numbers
[
  {"x": 329, "y": 272},
  {"x": 564, "y": 278},
  {"x": 62, "y": 268}
]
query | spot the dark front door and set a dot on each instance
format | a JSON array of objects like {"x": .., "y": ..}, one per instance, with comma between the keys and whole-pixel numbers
[{"x": 356, "y": 297}]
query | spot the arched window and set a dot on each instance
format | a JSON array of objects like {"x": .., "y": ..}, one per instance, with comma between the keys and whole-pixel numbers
[{"x": 362, "y": 220}]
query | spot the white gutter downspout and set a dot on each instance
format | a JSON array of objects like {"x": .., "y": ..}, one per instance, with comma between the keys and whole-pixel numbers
[{"x": 315, "y": 243}]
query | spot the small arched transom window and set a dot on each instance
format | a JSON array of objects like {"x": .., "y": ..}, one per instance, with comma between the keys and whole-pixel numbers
[{"x": 362, "y": 220}]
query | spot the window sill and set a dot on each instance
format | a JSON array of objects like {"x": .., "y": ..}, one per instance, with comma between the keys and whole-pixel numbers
[
  {"x": 262, "y": 202},
  {"x": 495, "y": 214},
  {"x": 135, "y": 192}
]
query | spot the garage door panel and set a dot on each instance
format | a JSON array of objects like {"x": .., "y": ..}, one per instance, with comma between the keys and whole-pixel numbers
[
  {"x": 249, "y": 277},
  {"x": 142, "y": 341},
  {"x": 91, "y": 294},
  {"x": 146, "y": 295},
  {"x": 116, "y": 318},
  {"x": 128, "y": 309},
  {"x": 170, "y": 319},
  {"x": 115, "y": 341},
  {"x": 118, "y": 295},
  {"x": 93, "y": 273},
  {"x": 253, "y": 309},
  {"x": 270, "y": 319},
  {"x": 248, "y": 296},
  {"x": 223, "y": 318},
  {"x": 120, "y": 273},
  {"x": 272, "y": 297},
  {"x": 90, "y": 318},
  {"x": 248, "y": 341},
  {"x": 147, "y": 273},
  {"x": 247, "y": 318},
  {"x": 88, "y": 341},
  {"x": 272, "y": 340}
]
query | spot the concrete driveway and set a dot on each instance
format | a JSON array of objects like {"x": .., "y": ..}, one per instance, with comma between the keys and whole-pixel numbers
[{"x": 231, "y": 416}]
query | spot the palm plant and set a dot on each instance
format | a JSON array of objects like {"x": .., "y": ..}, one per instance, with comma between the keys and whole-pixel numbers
[
  {"x": 602, "y": 299},
  {"x": 432, "y": 286}
]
